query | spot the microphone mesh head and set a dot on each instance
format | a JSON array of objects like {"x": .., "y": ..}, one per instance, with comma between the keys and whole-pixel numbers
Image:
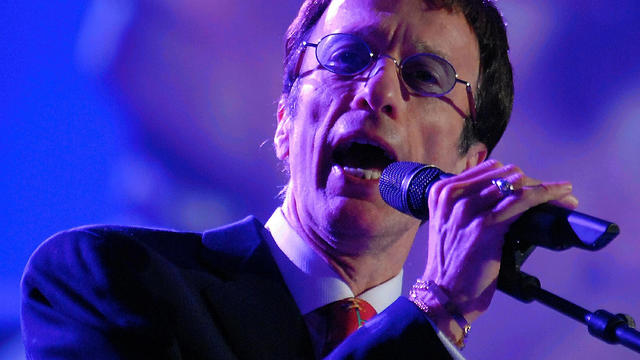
[
  {"x": 418, "y": 190},
  {"x": 391, "y": 184},
  {"x": 405, "y": 186}
]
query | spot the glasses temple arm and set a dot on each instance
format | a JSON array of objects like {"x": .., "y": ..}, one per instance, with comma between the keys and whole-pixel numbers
[{"x": 472, "y": 102}]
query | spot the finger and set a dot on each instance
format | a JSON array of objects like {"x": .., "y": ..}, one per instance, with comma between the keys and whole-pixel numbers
[
  {"x": 464, "y": 177},
  {"x": 481, "y": 168},
  {"x": 529, "y": 181},
  {"x": 517, "y": 180},
  {"x": 468, "y": 208},
  {"x": 568, "y": 202},
  {"x": 529, "y": 196},
  {"x": 478, "y": 192}
]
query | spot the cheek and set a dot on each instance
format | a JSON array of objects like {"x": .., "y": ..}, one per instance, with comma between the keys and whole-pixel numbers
[
  {"x": 309, "y": 102},
  {"x": 314, "y": 98},
  {"x": 434, "y": 135},
  {"x": 321, "y": 99},
  {"x": 309, "y": 129}
]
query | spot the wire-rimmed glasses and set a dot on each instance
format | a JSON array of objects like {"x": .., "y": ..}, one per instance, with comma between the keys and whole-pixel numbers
[{"x": 424, "y": 73}]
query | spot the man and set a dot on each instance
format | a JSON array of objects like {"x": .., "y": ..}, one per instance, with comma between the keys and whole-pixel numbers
[{"x": 367, "y": 83}]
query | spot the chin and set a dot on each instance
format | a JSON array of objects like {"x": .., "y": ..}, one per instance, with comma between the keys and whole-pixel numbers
[{"x": 363, "y": 225}]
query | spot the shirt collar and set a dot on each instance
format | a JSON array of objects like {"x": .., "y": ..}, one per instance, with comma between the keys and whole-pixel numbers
[{"x": 311, "y": 280}]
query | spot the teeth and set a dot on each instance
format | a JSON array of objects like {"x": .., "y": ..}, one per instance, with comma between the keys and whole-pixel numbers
[{"x": 367, "y": 174}]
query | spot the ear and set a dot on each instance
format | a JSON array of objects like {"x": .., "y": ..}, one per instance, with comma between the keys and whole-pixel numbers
[
  {"x": 477, "y": 153},
  {"x": 281, "y": 137}
]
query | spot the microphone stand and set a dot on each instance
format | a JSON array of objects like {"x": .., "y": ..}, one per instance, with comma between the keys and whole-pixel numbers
[{"x": 610, "y": 328}]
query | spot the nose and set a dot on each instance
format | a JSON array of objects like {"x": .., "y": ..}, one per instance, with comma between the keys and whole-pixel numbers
[{"x": 382, "y": 89}]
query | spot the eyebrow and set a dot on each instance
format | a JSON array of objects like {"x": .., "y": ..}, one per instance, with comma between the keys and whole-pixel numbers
[
  {"x": 372, "y": 33},
  {"x": 369, "y": 34},
  {"x": 422, "y": 47}
]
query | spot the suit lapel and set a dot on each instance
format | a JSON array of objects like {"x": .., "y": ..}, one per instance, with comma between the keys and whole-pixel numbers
[{"x": 257, "y": 313}]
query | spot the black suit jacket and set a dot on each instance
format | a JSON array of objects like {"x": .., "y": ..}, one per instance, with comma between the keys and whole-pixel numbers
[{"x": 106, "y": 292}]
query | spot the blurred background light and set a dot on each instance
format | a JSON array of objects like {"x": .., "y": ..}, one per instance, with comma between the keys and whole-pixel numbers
[{"x": 160, "y": 113}]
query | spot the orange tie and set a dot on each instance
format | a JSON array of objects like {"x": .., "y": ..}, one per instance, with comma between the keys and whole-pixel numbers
[{"x": 341, "y": 319}]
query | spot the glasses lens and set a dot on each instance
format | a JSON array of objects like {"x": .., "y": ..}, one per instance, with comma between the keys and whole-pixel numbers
[
  {"x": 343, "y": 54},
  {"x": 428, "y": 74}
]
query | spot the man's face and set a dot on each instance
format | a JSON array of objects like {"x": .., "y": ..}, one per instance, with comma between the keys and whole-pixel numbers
[{"x": 342, "y": 123}]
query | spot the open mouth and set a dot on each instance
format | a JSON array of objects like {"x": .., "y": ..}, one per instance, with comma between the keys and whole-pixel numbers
[{"x": 363, "y": 159}]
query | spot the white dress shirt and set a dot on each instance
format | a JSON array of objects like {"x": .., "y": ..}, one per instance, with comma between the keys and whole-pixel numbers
[{"x": 313, "y": 283}]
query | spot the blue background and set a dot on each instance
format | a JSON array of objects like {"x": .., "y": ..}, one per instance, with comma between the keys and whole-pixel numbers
[{"x": 162, "y": 114}]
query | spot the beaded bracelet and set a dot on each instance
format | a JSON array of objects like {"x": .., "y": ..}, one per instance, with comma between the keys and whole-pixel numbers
[{"x": 430, "y": 286}]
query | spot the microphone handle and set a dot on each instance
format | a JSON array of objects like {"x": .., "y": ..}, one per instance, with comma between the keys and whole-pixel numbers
[{"x": 557, "y": 228}]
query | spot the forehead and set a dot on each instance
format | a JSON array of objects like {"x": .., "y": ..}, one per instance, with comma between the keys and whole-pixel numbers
[{"x": 403, "y": 27}]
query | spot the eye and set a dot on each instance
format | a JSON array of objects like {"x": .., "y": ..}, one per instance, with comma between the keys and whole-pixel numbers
[
  {"x": 428, "y": 74},
  {"x": 347, "y": 60},
  {"x": 422, "y": 79},
  {"x": 424, "y": 76},
  {"x": 343, "y": 54}
]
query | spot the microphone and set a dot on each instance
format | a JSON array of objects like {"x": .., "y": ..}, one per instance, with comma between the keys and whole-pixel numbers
[{"x": 405, "y": 186}]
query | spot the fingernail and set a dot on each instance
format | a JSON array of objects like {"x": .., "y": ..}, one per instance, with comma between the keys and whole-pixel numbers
[
  {"x": 574, "y": 202},
  {"x": 570, "y": 203}
]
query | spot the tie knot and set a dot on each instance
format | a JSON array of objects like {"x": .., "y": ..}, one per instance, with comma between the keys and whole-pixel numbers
[
  {"x": 341, "y": 319},
  {"x": 350, "y": 312}
]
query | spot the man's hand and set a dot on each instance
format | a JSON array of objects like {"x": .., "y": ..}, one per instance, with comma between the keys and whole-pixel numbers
[{"x": 469, "y": 218}]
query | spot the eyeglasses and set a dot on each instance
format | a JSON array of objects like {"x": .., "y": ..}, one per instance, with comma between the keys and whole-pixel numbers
[{"x": 426, "y": 74}]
